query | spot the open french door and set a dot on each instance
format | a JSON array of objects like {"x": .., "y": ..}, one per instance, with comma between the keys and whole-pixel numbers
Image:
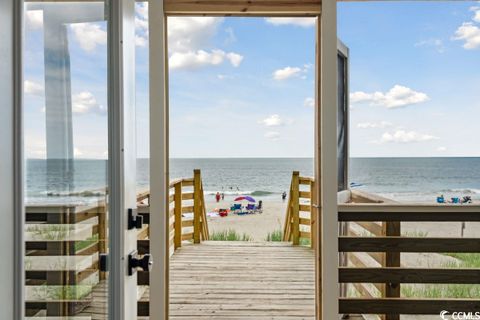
[{"x": 80, "y": 157}]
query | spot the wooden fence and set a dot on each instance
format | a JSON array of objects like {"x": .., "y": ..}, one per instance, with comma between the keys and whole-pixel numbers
[
  {"x": 378, "y": 234},
  {"x": 299, "y": 218},
  {"x": 63, "y": 245}
]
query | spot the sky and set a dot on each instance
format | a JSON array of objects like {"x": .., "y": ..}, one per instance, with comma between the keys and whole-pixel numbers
[{"x": 243, "y": 87}]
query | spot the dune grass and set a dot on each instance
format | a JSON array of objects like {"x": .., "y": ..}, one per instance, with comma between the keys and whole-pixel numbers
[
  {"x": 465, "y": 260},
  {"x": 229, "y": 235},
  {"x": 275, "y": 236}
]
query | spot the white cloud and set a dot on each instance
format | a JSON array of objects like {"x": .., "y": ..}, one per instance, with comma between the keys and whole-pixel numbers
[
  {"x": 374, "y": 125},
  {"x": 272, "y": 135},
  {"x": 301, "y": 22},
  {"x": 402, "y": 136},
  {"x": 476, "y": 16},
  {"x": 272, "y": 121},
  {"x": 397, "y": 97},
  {"x": 192, "y": 60},
  {"x": 85, "y": 102},
  {"x": 224, "y": 76},
  {"x": 191, "y": 33},
  {"x": 33, "y": 88},
  {"x": 442, "y": 149},
  {"x": 437, "y": 44},
  {"x": 187, "y": 38},
  {"x": 285, "y": 73},
  {"x": 309, "y": 102},
  {"x": 470, "y": 33},
  {"x": 89, "y": 35},
  {"x": 141, "y": 24},
  {"x": 141, "y": 41},
  {"x": 34, "y": 19}
]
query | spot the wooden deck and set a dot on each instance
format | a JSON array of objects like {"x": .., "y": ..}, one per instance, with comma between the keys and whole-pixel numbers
[
  {"x": 242, "y": 280},
  {"x": 235, "y": 280}
]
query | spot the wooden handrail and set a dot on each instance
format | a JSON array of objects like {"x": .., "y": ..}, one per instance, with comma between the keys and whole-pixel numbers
[{"x": 292, "y": 229}]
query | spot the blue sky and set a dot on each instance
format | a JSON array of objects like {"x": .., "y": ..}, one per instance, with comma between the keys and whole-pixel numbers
[{"x": 242, "y": 87}]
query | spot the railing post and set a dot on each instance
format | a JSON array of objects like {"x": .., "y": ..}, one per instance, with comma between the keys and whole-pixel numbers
[
  {"x": 392, "y": 259},
  {"x": 295, "y": 208},
  {"x": 102, "y": 233},
  {"x": 313, "y": 215},
  {"x": 197, "y": 205},
  {"x": 177, "y": 198}
]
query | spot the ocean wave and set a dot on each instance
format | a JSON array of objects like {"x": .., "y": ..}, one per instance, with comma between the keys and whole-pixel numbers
[
  {"x": 462, "y": 191},
  {"x": 85, "y": 193},
  {"x": 244, "y": 192}
]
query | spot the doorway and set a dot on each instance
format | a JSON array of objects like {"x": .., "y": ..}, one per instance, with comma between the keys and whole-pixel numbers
[{"x": 160, "y": 110}]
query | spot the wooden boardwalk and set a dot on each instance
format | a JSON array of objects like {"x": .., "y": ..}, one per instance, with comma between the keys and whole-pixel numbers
[{"x": 242, "y": 280}]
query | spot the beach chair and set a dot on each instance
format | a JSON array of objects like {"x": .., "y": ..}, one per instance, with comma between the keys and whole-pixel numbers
[
  {"x": 250, "y": 208},
  {"x": 236, "y": 208},
  {"x": 259, "y": 208}
]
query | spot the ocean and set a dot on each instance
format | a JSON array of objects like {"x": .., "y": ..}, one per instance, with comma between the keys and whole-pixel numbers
[{"x": 402, "y": 179}]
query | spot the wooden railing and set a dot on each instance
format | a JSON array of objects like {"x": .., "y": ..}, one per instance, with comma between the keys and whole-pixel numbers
[
  {"x": 186, "y": 198},
  {"x": 375, "y": 231},
  {"x": 63, "y": 244},
  {"x": 299, "y": 218}
]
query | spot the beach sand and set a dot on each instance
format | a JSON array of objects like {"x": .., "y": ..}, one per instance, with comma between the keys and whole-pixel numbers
[{"x": 256, "y": 226}]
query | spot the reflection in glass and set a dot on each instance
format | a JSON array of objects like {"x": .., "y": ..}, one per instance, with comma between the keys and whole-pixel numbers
[{"x": 66, "y": 143}]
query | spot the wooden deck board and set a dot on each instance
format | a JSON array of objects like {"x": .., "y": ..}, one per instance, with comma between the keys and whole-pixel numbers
[{"x": 236, "y": 280}]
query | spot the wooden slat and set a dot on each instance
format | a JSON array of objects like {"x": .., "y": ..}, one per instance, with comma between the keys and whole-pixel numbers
[
  {"x": 187, "y": 196},
  {"x": 379, "y": 257},
  {"x": 187, "y": 223},
  {"x": 305, "y": 207},
  {"x": 414, "y": 213},
  {"x": 305, "y": 180},
  {"x": 358, "y": 263},
  {"x": 188, "y": 209},
  {"x": 410, "y": 244},
  {"x": 243, "y": 7},
  {"x": 304, "y": 194},
  {"x": 305, "y": 221},
  {"x": 187, "y": 236},
  {"x": 405, "y": 306},
  {"x": 305, "y": 235},
  {"x": 372, "y": 227},
  {"x": 187, "y": 182},
  {"x": 409, "y": 275}
]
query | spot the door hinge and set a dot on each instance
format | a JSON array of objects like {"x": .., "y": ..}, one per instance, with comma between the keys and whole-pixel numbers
[{"x": 135, "y": 221}]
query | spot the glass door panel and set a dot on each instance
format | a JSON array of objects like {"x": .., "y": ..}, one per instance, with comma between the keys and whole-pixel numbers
[{"x": 66, "y": 159}]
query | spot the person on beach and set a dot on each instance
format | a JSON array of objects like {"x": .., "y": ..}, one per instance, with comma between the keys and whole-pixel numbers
[
  {"x": 223, "y": 196},
  {"x": 217, "y": 197},
  {"x": 284, "y": 195}
]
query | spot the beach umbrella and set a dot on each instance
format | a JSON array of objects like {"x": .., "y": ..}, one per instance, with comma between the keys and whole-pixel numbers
[{"x": 248, "y": 198}]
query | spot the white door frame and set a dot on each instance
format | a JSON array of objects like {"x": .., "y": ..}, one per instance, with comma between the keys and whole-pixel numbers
[
  {"x": 159, "y": 155},
  {"x": 122, "y": 290},
  {"x": 325, "y": 155}
]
